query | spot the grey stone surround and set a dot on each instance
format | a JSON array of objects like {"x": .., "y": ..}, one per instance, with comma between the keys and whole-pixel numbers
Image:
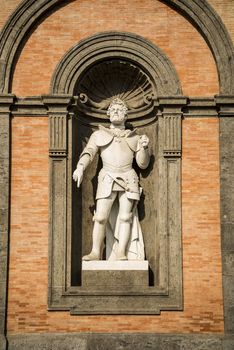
[
  {"x": 211, "y": 27},
  {"x": 226, "y": 115},
  {"x": 120, "y": 341}
]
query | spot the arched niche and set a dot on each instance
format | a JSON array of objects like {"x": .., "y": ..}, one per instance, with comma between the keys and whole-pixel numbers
[
  {"x": 111, "y": 46},
  {"x": 88, "y": 77}
]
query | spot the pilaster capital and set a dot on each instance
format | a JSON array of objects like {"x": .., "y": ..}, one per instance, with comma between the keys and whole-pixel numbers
[
  {"x": 57, "y": 104},
  {"x": 172, "y": 104}
]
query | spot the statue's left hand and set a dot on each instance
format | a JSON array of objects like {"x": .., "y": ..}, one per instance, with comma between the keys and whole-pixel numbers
[{"x": 143, "y": 141}]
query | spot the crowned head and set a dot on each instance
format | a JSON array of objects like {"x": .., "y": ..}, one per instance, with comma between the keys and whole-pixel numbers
[{"x": 117, "y": 111}]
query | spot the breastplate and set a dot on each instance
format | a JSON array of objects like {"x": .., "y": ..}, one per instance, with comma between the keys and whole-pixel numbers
[{"x": 117, "y": 154}]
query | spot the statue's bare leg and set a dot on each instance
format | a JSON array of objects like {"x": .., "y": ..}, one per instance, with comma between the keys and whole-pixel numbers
[
  {"x": 103, "y": 208},
  {"x": 125, "y": 216}
]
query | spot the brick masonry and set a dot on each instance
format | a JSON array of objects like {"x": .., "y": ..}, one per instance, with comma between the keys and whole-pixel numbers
[{"x": 7, "y": 7}]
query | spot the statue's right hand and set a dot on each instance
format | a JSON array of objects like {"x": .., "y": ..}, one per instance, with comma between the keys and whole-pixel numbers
[{"x": 78, "y": 175}]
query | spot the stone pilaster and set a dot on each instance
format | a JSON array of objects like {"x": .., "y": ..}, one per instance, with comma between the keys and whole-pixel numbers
[
  {"x": 169, "y": 163},
  {"x": 58, "y": 148},
  {"x": 226, "y": 115},
  {"x": 6, "y": 101}
]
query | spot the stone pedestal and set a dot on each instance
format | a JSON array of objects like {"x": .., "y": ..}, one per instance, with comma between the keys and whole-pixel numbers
[{"x": 115, "y": 273}]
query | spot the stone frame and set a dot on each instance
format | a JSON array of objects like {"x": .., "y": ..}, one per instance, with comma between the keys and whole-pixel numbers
[
  {"x": 210, "y": 25},
  {"x": 167, "y": 293}
]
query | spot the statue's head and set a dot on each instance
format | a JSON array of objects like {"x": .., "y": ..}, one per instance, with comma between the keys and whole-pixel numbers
[{"x": 117, "y": 111}]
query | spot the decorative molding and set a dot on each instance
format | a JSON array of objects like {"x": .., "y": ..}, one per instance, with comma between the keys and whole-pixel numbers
[
  {"x": 226, "y": 105},
  {"x": 57, "y": 106},
  {"x": 171, "y": 112},
  {"x": 132, "y": 85},
  {"x": 224, "y": 100},
  {"x": 172, "y": 135},
  {"x": 171, "y": 101},
  {"x": 29, "y": 106},
  {"x": 195, "y": 107},
  {"x": 58, "y": 135},
  {"x": 200, "y": 107}
]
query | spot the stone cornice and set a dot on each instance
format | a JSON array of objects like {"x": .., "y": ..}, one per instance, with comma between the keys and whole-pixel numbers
[
  {"x": 6, "y": 101},
  {"x": 225, "y": 104},
  {"x": 29, "y": 106},
  {"x": 57, "y": 104},
  {"x": 191, "y": 107}
]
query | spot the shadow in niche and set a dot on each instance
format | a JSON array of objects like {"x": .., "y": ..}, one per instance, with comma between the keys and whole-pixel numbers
[
  {"x": 94, "y": 185},
  {"x": 76, "y": 239},
  {"x": 151, "y": 277},
  {"x": 79, "y": 135},
  {"x": 92, "y": 208},
  {"x": 143, "y": 173}
]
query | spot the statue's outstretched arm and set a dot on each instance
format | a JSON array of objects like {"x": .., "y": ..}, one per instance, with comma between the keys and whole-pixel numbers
[
  {"x": 142, "y": 154},
  {"x": 86, "y": 158}
]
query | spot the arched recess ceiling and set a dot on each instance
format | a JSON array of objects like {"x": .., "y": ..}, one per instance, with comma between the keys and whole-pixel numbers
[{"x": 199, "y": 12}]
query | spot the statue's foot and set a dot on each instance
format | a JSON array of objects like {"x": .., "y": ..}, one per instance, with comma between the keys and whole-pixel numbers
[
  {"x": 91, "y": 256},
  {"x": 121, "y": 257}
]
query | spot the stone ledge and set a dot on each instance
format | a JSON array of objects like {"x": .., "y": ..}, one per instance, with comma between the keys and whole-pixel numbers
[
  {"x": 119, "y": 341},
  {"x": 115, "y": 265},
  {"x": 115, "y": 273}
]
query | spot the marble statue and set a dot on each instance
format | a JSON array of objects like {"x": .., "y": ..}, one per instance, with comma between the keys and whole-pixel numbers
[{"x": 118, "y": 190}]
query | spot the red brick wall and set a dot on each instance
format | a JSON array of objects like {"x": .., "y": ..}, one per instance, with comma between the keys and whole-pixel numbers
[
  {"x": 7, "y": 7},
  {"x": 225, "y": 9},
  {"x": 149, "y": 18},
  {"x": 203, "y": 309}
]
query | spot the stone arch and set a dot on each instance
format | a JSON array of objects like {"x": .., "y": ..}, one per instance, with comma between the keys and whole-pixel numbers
[
  {"x": 116, "y": 45},
  {"x": 199, "y": 12}
]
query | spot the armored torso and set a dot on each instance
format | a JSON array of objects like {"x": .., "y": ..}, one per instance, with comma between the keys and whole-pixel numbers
[
  {"x": 117, "y": 149},
  {"x": 117, "y": 155},
  {"x": 117, "y": 173}
]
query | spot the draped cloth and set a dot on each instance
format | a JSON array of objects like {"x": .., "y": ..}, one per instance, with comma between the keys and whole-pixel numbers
[{"x": 135, "y": 247}]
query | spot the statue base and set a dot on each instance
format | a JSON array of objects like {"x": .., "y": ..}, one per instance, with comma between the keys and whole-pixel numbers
[{"x": 104, "y": 273}]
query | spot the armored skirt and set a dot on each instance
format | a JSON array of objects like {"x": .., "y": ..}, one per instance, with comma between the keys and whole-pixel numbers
[{"x": 109, "y": 181}]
